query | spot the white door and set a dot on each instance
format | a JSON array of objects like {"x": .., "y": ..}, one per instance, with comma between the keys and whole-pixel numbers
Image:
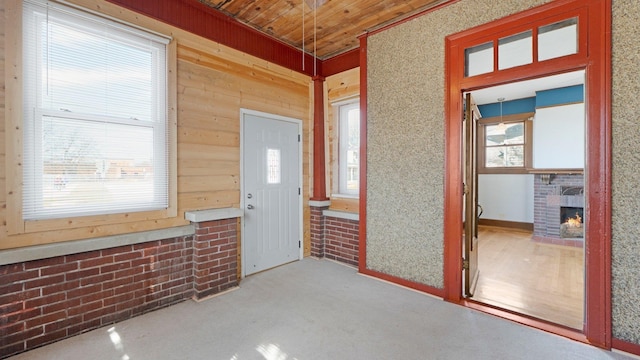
[{"x": 271, "y": 190}]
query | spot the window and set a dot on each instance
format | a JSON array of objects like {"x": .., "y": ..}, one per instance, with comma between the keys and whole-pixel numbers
[
  {"x": 95, "y": 115},
  {"x": 273, "y": 166},
  {"x": 554, "y": 40},
  {"x": 504, "y": 144},
  {"x": 349, "y": 148}
]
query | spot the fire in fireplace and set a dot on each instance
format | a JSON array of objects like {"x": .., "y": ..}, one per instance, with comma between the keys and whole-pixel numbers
[{"x": 571, "y": 223}]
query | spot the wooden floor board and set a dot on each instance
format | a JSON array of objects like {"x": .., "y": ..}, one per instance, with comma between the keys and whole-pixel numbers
[{"x": 540, "y": 280}]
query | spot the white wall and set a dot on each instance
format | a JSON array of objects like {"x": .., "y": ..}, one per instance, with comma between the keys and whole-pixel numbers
[
  {"x": 558, "y": 137},
  {"x": 507, "y": 197}
]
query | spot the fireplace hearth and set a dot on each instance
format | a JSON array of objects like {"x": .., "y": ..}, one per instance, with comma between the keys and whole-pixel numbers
[
  {"x": 571, "y": 223},
  {"x": 559, "y": 209}
]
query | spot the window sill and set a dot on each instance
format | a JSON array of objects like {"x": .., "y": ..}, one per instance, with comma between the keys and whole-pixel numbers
[
  {"x": 345, "y": 196},
  {"x": 345, "y": 203},
  {"x": 341, "y": 215},
  {"x": 213, "y": 214}
]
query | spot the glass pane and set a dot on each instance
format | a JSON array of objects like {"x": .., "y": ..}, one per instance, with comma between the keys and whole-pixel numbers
[
  {"x": 353, "y": 149},
  {"x": 89, "y": 166},
  {"x": 515, "y": 50},
  {"x": 273, "y": 166},
  {"x": 558, "y": 39},
  {"x": 505, "y": 156},
  {"x": 478, "y": 59},
  {"x": 349, "y": 148},
  {"x": 87, "y": 71},
  {"x": 504, "y": 134}
]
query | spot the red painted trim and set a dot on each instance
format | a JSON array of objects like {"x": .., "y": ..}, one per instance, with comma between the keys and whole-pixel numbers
[
  {"x": 525, "y": 320},
  {"x": 319, "y": 174},
  {"x": 625, "y": 346},
  {"x": 343, "y": 62},
  {"x": 402, "y": 282},
  {"x": 362, "y": 247},
  {"x": 598, "y": 246},
  {"x": 596, "y": 60},
  {"x": 203, "y": 20},
  {"x": 416, "y": 15},
  {"x": 453, "y": 177}
]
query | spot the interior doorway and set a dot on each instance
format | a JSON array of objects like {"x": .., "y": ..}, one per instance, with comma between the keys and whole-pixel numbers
[
  {"x": 519, "y": 48},
  {"x": 529, "y": 164}
]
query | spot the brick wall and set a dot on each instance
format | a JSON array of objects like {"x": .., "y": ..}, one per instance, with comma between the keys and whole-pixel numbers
[
  {"x": 47, "y": 300},
  {"x": 547, "y": 199},
  {"x": 215, "y": 257},
  {"x": 317, "y": 230},
  {"x": 341, "y": 240}
]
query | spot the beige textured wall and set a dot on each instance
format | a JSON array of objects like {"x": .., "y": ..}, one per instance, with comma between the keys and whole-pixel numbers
[
  {"x": 406, "y": 148},
  {"x": 626, "y": 162},
  {"x": 405, "y": 139}
]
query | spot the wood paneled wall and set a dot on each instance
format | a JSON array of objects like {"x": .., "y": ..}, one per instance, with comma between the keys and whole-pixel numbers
[
  {"x": 3, "y": 199},
  {"x": 213, "y": 83},
  {"x": 339, "y": 87}
]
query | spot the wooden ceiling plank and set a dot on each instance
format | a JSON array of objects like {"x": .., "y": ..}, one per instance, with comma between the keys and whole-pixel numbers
[{"x": 338, "y": 22}]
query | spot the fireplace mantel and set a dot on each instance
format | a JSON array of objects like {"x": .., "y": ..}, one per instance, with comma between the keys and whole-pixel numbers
[{"x": 556, "y": 171}]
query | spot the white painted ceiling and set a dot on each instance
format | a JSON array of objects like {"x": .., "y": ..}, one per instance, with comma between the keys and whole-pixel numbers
[{"x": 528, "y": 88}]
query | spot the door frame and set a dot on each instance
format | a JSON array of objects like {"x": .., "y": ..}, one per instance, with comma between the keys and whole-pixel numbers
[
  {"x": 298, "y": 122},
  {"x": 594, "y": 56}
]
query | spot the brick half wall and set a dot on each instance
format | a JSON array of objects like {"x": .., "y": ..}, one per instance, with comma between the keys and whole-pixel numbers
[
  {"x": 215, "y": 257},
  {"x": 342, "y": 240},
  {"x": 317, "y": 230},
  {"x": 43, "y": 301},
  {"x": 47, "y": 300}
]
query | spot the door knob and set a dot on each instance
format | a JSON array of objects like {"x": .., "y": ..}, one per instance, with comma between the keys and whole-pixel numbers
[
  {"x": 249, "y": 206},
  {"x": 249, "y": 196}
]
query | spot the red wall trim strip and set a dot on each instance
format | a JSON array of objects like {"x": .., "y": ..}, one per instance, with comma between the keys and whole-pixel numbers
[
  {"x": 343, "y": 62},
  {"x": 402, "y": 282},
  {"x": 625, "y": 346},
  {"x": 362, "y": 264},
  {"x": 523, "y": 319},
  {"x": 200, "y": 19},
  {"x": 416, "y": 15},
  {"x": 319, "y": 173}
]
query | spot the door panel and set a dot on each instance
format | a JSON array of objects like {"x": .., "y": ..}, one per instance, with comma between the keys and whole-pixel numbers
[
  {"x": 470, "y": 245},
  {"x": 271, "y": 186}
]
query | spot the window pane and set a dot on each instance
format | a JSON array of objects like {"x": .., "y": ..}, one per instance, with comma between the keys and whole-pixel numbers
[
  {"x": 95, "y": 117},
  {"x": 85, "y": 71},
  {"x": 273, "y": 166},
  {"x": 353, "y": 150},
  {"x": 504, "y": 134},
  {"x": 91, "y": 166},
  {"x": 505, "y": 156},
  {"x": 515, "y": 50},
  {"x": 558, "y": 39},
  {"x": 478, "y": 59},
  {"x": 349, "y": 148}
]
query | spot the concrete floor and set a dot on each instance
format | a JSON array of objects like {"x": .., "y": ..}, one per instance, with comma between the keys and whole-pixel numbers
[{"x": 317, "y": 309}]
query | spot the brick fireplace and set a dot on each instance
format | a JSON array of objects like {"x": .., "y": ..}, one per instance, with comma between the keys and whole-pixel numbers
[{"x": 558, "y": 198}]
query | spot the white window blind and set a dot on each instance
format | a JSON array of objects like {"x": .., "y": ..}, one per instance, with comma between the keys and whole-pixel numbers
[{"x": 95, "y": 114}]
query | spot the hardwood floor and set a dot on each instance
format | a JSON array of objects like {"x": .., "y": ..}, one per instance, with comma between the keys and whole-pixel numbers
[{"x": 541, "y": 280}]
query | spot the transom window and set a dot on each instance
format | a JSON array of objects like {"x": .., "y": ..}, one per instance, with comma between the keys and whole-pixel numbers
[
  {"x": 549, "y": 41},
  {"x": 95, "y": 114}
]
